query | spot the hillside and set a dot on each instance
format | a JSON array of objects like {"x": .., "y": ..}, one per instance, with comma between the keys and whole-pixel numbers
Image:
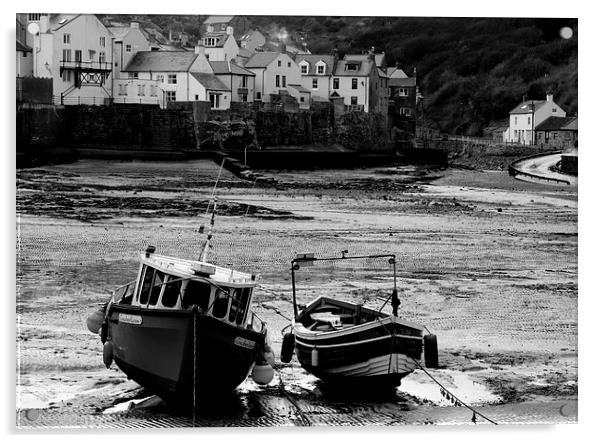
[{"x": 471, "y": 71}]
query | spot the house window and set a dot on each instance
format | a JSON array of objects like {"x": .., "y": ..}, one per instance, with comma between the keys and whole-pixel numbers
[
  {"x": 403, "y": 92},
  {"x": 320, "y": 69},
  {"x": 279, "y": 63},
  {"x": 66, "y": 39},
  {"x": 243, "y": 82},
  {"x": 303, "y": 69},
  {"x": 66, "y": 55},
  {"x": 302, "y": 99},
  {"x": 91, "y": 55},
  {"x": 170, "y": 96},
  {"x": 101, "y": 57},
  {"x": 66, "y": 76},
  {"x": 78, "y": 55},
  {"x": 516, "y": 120},
  {"x": 132, "y": 75},
  {"x": 214, "y": 99},
  {"x": 314, "y": 83},
  {"x": 528, "y": 120},
  {"x": 160, "y": 78},
  {"x": 284, "y": 81},
  {"x": 554, "y": 109},
  {"x": 277, "y": 81},
  {"x": 153, "y": 90},
  {"x": 172, "y": 79},
  {"x": 353, "y": 101},
  {"x": 128, "y": 48},
  {"x": 243, "y": 97},
  {"x": 34, "y": 17},
  {"x": 335, "y": 83},
  {"x": 354, "y": 83},
  {"x": 351, "y": 67},
  {"x": 258, "y": 96},
  {"x": 103, "y": 41},
  {"x": 196, "y": 97},
  {"x": 141, "y": 90},
  {"x": 288, "y": 64},
  {"x": 209, "y": 41}
]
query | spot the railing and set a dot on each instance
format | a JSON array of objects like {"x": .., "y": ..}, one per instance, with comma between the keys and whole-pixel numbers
[
  {"x": 123, "y": 291},
  {"x": 67, "y": 100},
  {"x": 87, "y": 66},
  {"x": 514, "y": 171}
]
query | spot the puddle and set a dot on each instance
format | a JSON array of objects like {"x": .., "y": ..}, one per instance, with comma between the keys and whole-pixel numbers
[{"x": 459, "y": 384}]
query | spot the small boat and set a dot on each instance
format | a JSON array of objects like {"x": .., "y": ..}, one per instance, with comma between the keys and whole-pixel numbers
[
  {"x": 184, "y": 328},
  {"x": 349, "y": 345}
]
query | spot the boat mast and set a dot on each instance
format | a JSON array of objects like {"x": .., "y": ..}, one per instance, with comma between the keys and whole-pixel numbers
[{"x": 213, "y": 199}]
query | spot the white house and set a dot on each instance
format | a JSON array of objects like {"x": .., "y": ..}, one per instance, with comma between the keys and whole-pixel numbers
[
  {"x": 274, "y": 72},
  {"x": 525, "y": 117},
  {"x": 316, "y": 73},
  {"x": 159, "y": 77},
  {"x": 24, "y": 63},
  {"x": 220, "y": 46},
  {"x": 361, "y": 83},
  {"x": 75, "y": 51}
]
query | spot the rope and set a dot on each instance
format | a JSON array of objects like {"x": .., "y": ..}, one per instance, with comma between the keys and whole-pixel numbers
[
  {"x": 306, "y": 421},
  {"x": 194, "y": 313},
  {"x": 454, "y": 398}
]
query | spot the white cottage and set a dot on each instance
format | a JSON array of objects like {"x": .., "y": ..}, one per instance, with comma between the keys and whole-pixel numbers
[{"x": 525, "y": 117}]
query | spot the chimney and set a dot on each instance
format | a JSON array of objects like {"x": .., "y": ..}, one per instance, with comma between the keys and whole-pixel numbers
[
  {"x": 335, "y": 53},
  {"x": 415, "y": 72},
  {"x": 230, "y": 30},
  {"x": 549, "y": 96},
  {"x": 371, "y": 54},
  {"x": 199, "y": 48},
  {"x": 282, "y": 48},
  {"x": 398, "y": 64},
  {"x": 134, "y": 25},
  {"x": 44, "y": 24}
]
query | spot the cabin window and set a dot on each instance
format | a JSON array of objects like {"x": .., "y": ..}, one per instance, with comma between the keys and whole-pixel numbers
[
  {"x": 147, "y": 281},
  {"x": 171, "y": 292},
  {"x": 220, "y": 305},
  {"x": 197, "y": 293},
  {"x": 238, "y": 308},
  {"x": 156, "y": 288}
]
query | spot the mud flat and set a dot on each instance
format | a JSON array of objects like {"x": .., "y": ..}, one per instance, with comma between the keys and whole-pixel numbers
[{"x": 488, "y": 263}]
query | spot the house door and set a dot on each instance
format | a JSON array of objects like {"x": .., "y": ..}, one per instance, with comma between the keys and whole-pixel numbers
[{"x": 214, "y": 99}]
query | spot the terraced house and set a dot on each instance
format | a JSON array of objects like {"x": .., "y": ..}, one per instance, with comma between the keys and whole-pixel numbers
[{"x": 316, "y": 74}]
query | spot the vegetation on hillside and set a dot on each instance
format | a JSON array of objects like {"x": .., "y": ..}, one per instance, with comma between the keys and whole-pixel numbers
[{"x": 471, "y": 71}]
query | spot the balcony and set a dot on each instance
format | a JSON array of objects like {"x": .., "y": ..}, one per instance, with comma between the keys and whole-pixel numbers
[{"x": 91, "y": 66}]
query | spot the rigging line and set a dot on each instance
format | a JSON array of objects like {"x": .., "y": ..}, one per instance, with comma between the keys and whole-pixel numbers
[
  {"x": 215, "y": 187},
  {"x": 194, "y": 313},
  {"x": 450, "y": 393}
]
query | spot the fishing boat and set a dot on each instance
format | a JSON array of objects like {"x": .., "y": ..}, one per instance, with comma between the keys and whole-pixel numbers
[
  {"x": 184, "y": 328},
  {"x": 350, "y": 345}
]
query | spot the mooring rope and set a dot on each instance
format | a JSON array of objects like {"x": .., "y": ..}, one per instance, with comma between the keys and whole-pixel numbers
[
  {"x": 194, "y": 313},
  {"x": 306, "y": 421},
  {"x": 455, "y": 399}
]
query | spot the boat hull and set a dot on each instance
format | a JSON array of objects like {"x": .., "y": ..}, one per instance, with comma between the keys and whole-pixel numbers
[
  {"x": 156, "y": 348},
  {"x": 376, "y": 354}
]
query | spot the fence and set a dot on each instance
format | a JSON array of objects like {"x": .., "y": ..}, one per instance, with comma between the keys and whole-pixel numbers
[{"x": 101, "y": 101}]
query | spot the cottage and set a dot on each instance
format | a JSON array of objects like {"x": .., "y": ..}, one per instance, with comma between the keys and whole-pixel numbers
[
  {"x": 401, "y": 93},
  {"x": 557, "y": 132},
  {"x": 221, "y": 23},
  {"x": 240, "y": 81},
  {"x": 274, "y": 72},
  {"x": 219, "y": 46},
  {"x": 126, "y": 42},
  {"x": 160, "y": 77},
  {"x": 361, "y": 83},
  {"x": 525, "y": 117}
]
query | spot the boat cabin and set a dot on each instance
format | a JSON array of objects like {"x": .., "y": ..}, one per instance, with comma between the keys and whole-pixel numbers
[{"x": 170, "y": 283}]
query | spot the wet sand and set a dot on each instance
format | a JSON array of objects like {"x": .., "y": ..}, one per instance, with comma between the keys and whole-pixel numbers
[{"x": 486, "y": 262}]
